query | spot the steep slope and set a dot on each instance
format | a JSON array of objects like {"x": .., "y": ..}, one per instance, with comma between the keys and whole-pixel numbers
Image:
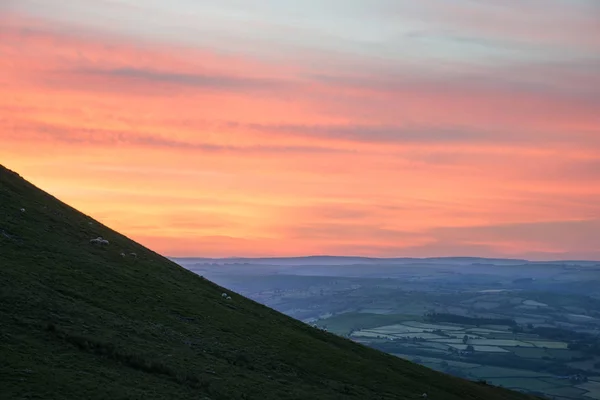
[{"x": 79, "y": 321}]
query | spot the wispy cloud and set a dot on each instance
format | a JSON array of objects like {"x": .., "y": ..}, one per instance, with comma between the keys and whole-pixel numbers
[
  {"x": 43, "y": 132},
  {"x": 350, "y": 127},
  {"x": 130, "y": 75}
]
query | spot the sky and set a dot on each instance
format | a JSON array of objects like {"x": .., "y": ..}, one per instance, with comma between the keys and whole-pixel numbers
[{"x": 342, "y": 127}]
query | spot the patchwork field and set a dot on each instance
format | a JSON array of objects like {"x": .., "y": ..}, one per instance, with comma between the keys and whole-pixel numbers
[
  {"x": 549, "y": 345},
  {"x": 438, "y": 345}
]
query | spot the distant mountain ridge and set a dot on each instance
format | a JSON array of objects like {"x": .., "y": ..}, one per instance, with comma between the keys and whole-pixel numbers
[{"x": 348, "y": 260}]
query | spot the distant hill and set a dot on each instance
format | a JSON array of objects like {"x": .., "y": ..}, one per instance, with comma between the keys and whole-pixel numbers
[
  {"x": 345, "y": 260},
  {"x": 79, "y": 320},
  {"x": 341, "y": 260}
]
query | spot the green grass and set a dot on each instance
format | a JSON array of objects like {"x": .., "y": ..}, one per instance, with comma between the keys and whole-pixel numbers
[
  {"x": 82, "y": 322},
  {"x": 344, "y": 323},
  {"x": 528, "y": 352}
]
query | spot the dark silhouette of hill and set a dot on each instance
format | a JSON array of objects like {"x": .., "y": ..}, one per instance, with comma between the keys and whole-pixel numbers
[{"x": 79, "y": 320}]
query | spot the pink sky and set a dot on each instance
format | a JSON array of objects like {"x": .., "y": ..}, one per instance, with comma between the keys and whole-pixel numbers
[{"x": 423, "y": 130}]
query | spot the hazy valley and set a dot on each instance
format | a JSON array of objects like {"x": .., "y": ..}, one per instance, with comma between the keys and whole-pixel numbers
[{"x": 529, "y": 326}]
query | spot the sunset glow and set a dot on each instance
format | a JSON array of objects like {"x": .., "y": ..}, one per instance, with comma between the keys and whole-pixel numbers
[{"x": 377, "y": 128}]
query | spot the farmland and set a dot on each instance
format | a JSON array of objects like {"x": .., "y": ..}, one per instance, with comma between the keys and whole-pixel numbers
[
  {"x": 443, "y": 349},
  {"x": 528, "y": 327}
]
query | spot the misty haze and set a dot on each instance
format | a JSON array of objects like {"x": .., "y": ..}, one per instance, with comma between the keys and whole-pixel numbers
[{"x": 530, "y": 326}]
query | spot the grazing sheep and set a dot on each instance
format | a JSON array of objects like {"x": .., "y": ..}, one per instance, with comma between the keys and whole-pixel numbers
[
  {"x": 228, "y": 297},
  {"x": 424, "y": 395},
  {"x": 122, "y": 254},
  {"x": 100, "y": 241},
  {"x": 224, "y": 295},
  {"x": 134, "y": 255},
  {"x": 22, "y": 210}
]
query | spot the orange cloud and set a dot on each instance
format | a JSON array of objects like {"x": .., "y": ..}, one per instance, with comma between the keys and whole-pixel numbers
[{"x": 198, "y": 153}]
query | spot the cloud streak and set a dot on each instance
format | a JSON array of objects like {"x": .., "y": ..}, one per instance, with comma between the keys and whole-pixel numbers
[
  {"x": 131, "y": 75},
  {"x": 441, "y": 137}
]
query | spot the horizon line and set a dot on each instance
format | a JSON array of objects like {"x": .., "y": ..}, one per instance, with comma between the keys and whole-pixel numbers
[{"x": 382, "y": 258}]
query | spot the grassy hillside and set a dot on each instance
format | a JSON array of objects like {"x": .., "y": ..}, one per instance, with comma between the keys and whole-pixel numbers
[{"x": 79, "y": 321}]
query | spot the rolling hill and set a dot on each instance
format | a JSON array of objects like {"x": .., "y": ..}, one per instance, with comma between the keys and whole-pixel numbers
[{"x": 81, "y": 321}]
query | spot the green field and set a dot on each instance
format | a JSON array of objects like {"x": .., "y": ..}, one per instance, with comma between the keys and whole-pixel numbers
[
  {"x": 588, "y": 365},
  {"x": 428, "y": 336},
  {"x": 435, "y": 345},
  {"x": 434, "y": 360},
  {"x": 534, "y": 303},
  {"x": 592, "y": 388},
  {"x": 498, "y": 372},
  {"x": 485, "y": 349},
  {"x": 567, "y": 392},
  {"x": 433, "y": 326},
  {"x": 497, "y": 327},
  {"x": 533, "y": 384},
  {"x": 548, "y": 344},
  {"x": 500, "y": 342},
  {"x": 367, "y": 334},
  {"x": 448, "y": 340},
  {"x": 485, "y": 331},
  {"x": 345, "y": 323},
  {"x": 562, "y": 354},
  {"x": 528, "y": 352},
  {"x": 397, "y": 328}
]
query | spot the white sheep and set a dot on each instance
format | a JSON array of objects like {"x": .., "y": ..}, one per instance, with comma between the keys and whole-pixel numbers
[
  {"x": 134, "y": 255},
  {"x": 224, "y": 295},
  {"x": 424, "y": 395},
  {"x": 122, "y": 254},
  {"x": 228, "y": 297},
  {"x": 100, "y": 241},
  {"x": 22, "y": 210}
]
